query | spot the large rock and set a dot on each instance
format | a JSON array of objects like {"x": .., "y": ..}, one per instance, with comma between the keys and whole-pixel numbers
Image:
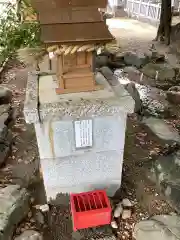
[
  {"x": 135, "y": 59},
  {"x": 173, "y": 95},
  {"x": 107, "y": 59},
  {"x": 162, "y": 129},
  {"x": 14, "y": 205},
  {"x": 4, "y": 151},
  {"x": 165, "y": 173},
  {"x": 5, "y": 134},
  {"x": 29, "y": 235},
  {"x": 161, "y": 227},
  {"x": 165, "y": 71},
  {"x": 5, "y": 95}
]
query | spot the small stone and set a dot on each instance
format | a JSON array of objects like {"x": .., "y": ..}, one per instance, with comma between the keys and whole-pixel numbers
[
  {"x": 114, "y": 225},
  {"x": 118, "y": 210},
  {"x": 126, "y": 202},
  {"x": 20, "y": 160},
  {"x": 44, "y": 208},
  {"x": 29, "y": 235},
  {"x": 32, "y": 220},
  {"x": 126, "y": 214}
]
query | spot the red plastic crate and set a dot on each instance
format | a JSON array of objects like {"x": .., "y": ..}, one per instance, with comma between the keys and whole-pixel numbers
[{"x": 90, "y": 209}]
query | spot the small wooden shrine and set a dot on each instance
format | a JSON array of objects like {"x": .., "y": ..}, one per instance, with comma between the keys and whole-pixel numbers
[{"x": 73, "y": 30}]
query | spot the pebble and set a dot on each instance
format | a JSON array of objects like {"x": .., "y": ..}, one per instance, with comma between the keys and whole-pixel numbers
[
  {"x": 118, "y": 210},
  {"x": 126, "y": 214},
  {"x": 126, "y": 202},
  {"x": 114, "y": 225},
  {"x": 44, "y": 208}
]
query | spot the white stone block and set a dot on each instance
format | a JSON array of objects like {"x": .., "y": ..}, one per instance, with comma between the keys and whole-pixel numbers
[
  {"x": 57, "y": 139},
  {"x": 65, "y": 167},
  {"x": 83, "y": 173}
]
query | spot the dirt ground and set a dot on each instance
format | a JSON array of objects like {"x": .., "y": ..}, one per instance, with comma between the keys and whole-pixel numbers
[{"x": 22, "y": 165}]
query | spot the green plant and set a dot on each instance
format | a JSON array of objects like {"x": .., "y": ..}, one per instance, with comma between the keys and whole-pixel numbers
[{"x": 15, "y": 34}]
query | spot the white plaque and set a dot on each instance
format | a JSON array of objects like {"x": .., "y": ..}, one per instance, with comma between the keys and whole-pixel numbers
[{"x": 83, "y": 133}]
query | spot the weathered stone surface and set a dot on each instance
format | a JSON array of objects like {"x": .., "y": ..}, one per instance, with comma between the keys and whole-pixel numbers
[
  {"x": 4, "y": 116},
  {"x": 126, "y": 202},
  {"x": 165, "y": 173},
  {"x": 29, "y": 235},
  {"x": 162, "y": 227},
  {"x": 118, "y": 210},
  {"x": 108, "y": 60},
  {"x": 165, "y": 72},
  {"x": 101, "y": 61},
  {"x": 4, "y": 113},
  {"x": 133, "y": 91},
  {"x": 3, "y": 132},
  {"x": 109, "y": 75},
  {"x": 27, "y": 174},
  {"x": 106, "y": 102},
  {"x": 131, "y": 70},
  {"x": 154, "y": 101},
  {"x": 5, "y": 95},
  {"x": 5, "y": 143},
  {"x": 135, "y": 59},
  {"x": 14, "y": 205},
  {"x": 4, "y": 108},
  {"x": 4, "y": 152},
  {"x": 162, "y": 129},
  {"x": 173, "y": 95}
]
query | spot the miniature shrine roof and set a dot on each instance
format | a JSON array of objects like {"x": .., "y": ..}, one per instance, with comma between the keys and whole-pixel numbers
[
  {"x": 68, "y": 33},
  {"x": 59, "y": 4},
  {"x": 72, "y": 21}
]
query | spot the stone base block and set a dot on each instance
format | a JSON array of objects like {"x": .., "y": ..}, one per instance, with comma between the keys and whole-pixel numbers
[{"x": 82, "y": 173}]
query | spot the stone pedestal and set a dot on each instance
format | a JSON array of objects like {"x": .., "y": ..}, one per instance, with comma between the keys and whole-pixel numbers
[{"x": 80, "y": 136}]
